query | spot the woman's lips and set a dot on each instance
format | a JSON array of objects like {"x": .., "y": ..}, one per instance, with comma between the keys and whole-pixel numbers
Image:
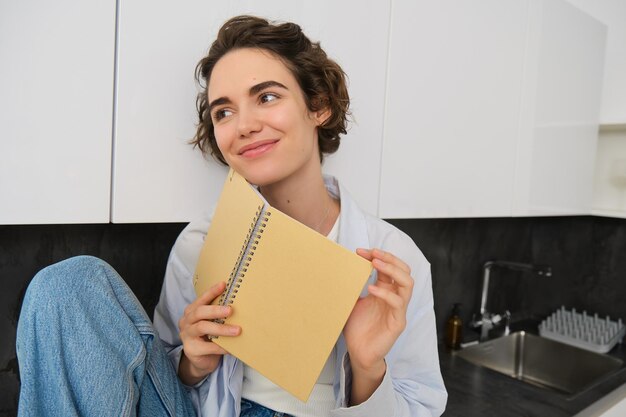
[{"x": 257, "y": 148}]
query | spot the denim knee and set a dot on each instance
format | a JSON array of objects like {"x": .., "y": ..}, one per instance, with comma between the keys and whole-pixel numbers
[{"x": 65, "y": 278}]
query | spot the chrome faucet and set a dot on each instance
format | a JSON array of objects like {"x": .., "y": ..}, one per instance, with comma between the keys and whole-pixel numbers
[{"x": 488, "y": 320}]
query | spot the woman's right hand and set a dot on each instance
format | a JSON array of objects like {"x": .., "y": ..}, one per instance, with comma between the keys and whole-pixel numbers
[{"x": 200, "y": 356}]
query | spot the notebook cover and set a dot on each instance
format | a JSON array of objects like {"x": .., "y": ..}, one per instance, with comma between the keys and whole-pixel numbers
[
  {"x": 295, "y": 297},
  {"x": 237, "y": 208}
]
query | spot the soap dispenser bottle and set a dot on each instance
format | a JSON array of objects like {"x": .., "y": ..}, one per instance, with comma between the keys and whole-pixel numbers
[{"x": 454, "y": 328}]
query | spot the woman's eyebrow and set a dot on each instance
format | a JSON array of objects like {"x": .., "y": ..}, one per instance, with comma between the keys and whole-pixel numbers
[
  {"x": 255, "y": 89},
  {"x": 219, "y": 101},
  {"x": 265, "y": 84}
]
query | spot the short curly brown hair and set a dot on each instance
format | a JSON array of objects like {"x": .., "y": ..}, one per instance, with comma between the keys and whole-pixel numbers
[{"x": 322, "y": 80}]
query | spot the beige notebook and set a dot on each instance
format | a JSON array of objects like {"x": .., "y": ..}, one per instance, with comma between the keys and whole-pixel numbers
[{"x": 291, "y": 288}]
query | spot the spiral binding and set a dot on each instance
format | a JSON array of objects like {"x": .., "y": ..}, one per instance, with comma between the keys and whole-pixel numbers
[
  {"x": 236, "y": 266},
  {"x": 253, "y": 237}
]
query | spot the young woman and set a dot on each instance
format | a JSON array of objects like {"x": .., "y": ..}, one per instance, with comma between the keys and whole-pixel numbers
[{"x": 272, "y": 106}]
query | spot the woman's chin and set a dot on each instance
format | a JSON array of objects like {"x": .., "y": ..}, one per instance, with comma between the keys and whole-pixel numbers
[{"x": 259, "y": 176}]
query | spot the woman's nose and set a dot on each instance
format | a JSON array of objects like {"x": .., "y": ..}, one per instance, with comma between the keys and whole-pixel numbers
[{"x": 248, "y": 122}]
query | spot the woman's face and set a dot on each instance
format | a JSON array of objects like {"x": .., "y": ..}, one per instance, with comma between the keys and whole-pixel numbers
[{"x": 261, "y": 123}]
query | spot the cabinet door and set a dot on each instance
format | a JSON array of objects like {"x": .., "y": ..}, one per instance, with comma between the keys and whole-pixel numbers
[
  {"x": 492, "y": 109},
  {"x": 157, "y": 175},
  {"x": 560, "y": 111},
  {"x": 453, "y": 100},
  {"x": 56, "y": 100},
  {"x": 613, "y": 14}
]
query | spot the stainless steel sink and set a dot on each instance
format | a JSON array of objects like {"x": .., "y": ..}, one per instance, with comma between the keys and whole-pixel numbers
[{"x": 542, "y": 362}]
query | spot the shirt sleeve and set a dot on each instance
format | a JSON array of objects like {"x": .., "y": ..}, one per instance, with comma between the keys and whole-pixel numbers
[{"x": 412, "y": 385}]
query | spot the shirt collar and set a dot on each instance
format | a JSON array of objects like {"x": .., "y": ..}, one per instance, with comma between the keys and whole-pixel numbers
[{"x": 352, "y": 224}]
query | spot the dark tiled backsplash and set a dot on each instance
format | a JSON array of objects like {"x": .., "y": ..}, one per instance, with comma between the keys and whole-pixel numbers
[{"x": 587, "y": 255}]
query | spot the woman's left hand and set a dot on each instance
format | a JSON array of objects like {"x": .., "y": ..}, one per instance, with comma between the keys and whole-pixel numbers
[{"x": 377, "y": 321}]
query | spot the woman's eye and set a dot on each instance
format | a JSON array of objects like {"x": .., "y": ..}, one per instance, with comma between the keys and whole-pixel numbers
[
  {"x": 221, "y": 113},
  {"x": 267, "y": 97}
]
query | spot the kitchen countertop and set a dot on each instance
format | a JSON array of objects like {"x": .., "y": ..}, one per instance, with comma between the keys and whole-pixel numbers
[{"x": 477, "y": 391}]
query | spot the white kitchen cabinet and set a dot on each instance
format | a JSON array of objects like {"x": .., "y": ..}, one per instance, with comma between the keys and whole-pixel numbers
[
  {"x": 560, "y": 111},
  {"x": 56, "y": 101},
  {"x": 613, "y": 14},
  {"x": 486, "y": 108},
  {"x": 492, "y": 109},
  {"x": 610, "y": 168},
  {"x": 157, "y": 176},
  {"x": 452, "y": 108}
]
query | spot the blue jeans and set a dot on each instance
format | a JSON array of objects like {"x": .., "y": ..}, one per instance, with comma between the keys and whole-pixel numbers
[
  {"x": 86, "y": 347},
  {"x": 252, "y": 409}
]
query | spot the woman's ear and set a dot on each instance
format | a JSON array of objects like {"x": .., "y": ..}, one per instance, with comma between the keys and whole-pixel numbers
[{"x": 322, "y": 115}]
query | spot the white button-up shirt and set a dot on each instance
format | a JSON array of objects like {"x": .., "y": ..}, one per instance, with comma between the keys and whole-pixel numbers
[{"x": 412, "y": 385}]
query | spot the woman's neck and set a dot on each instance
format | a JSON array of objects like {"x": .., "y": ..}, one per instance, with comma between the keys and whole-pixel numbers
[{"x": 303, "y": 196}]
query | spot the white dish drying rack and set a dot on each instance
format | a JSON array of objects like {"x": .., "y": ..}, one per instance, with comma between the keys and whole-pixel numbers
[{"x": 583, "y": 330}]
